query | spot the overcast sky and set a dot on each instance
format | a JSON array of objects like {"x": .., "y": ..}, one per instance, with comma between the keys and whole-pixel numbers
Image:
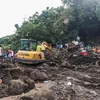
[{"x": 13, "y": 12}]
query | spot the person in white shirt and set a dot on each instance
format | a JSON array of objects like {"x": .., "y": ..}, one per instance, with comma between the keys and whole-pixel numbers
[
  {"x": 12, "y": 53},
  {"x": 61, "y": 47},
  {"x": 78, "y": 38},
  {"x": 1, "y": 53},
  {"x": 66, "y": 45}
]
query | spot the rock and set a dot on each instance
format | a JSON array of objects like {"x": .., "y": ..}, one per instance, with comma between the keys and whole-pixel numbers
[
  {"x": 3, "y": 90},
  {"x": 33, "y": 75},
  {"x": 64, "y": 64},
  {"x": 16, "y": 87},
  {"x": 27, "y": 71},
  {"x": 15, "y": 73},
  {"x": 25, "y": 98},
  {"x": 52, "y": 63},
  {"x": 30, "y": 82},
  {"x": 47, "y": 68},
  {"x": 40, "y": 68},
  {"x": 54, "y": 68},
  {"x": 45, "y": 65},
  {"x": 39, "y": 76},
  {"x": 42, "y": 76},
  {"x": 94, "y": 93},
  {"x": 43, "y": 98},
  {"x": 7, "y": 77}
]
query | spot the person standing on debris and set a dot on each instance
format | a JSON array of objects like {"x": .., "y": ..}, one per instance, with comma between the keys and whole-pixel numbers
[
  {"x": 61, "y": 47},
  {"x": 15, "y": 55},
  {"x": 81, "y": 44},
  {"x": 0, "y": 81},
  {"x": 98, "y": 50},
  {"x": 1, "y": 53},
  {"x": 66, "y": 48},
  {"x": 94, "y": 49},
  {"x": 57, "y": 46},
  {"x": 10, "y": 53},
  {"x": 5, "y": 54},
  {"x": 78, "y": 38},
  {"x": 66, "y": 45},
  {"x": 89, "y": 48}
]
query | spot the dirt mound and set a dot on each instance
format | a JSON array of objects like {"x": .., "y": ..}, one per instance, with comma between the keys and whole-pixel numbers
[
  {"x": 19, "y": 80},
  {"x": 16, "y": 87},
  {"x": 76, "y": 77},
  {"x": 3, "y": 90},
  {"x": 39, "y": 76}
]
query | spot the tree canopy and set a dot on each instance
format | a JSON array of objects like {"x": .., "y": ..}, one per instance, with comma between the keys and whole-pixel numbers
[{"x": 61, "y": 24}]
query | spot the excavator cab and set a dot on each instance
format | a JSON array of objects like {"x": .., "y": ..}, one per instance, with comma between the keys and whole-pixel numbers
[
  {"x": 28, "y": 54},
  {"x": 28, "y": 44}
]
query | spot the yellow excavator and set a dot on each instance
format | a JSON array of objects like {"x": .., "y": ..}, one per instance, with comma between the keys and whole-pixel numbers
[
  {"x": 28, "y": 54},
  {"x": 48, "y": 47}
]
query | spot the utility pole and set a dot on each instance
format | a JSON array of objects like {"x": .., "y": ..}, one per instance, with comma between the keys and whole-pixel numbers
[{"x": 24, "y": 18}]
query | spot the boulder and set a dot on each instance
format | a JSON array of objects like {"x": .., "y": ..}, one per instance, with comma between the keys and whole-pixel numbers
[
  {"x": 39, "y": 76},
  {"x": 16, "y": 87},
  {"x": 3, "y": 90},
  {"x": 30, "y": 82}
]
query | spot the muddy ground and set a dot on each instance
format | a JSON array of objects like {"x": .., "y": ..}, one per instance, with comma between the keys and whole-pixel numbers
[{"x": 65, "y": 76}]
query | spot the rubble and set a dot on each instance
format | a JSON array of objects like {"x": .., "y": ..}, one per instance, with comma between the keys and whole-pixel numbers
[
  {"x": 65, "y": 76},
  {"x": 38, "y": 76},
  {"x": 16, "y": 87}
]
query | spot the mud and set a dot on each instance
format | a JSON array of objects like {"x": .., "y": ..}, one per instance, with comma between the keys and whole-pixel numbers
[
  {"x": 65, "y": 76},
  {"x": 19, "y": 80}
]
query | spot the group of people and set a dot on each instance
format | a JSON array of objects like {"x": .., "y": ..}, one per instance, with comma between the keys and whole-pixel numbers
[
  {"x": 81, "y": 46},
  {"x": 70, "y": 44},
  {"x": 96, "y": 49},
  {"x": 59, "y": 46},
  {"x": 6, "y": 53}
]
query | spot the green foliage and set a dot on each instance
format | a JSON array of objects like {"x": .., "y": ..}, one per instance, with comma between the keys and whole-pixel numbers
[
  {"x": 39, "y": 27},
  {"x": 83, "y": 16},
  {"x": 64, "y": 23}
]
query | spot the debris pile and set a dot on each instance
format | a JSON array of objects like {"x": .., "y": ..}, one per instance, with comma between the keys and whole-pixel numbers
[
  {"x": 16, "y": 81},
  {"x": 65, "y": 76}
]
